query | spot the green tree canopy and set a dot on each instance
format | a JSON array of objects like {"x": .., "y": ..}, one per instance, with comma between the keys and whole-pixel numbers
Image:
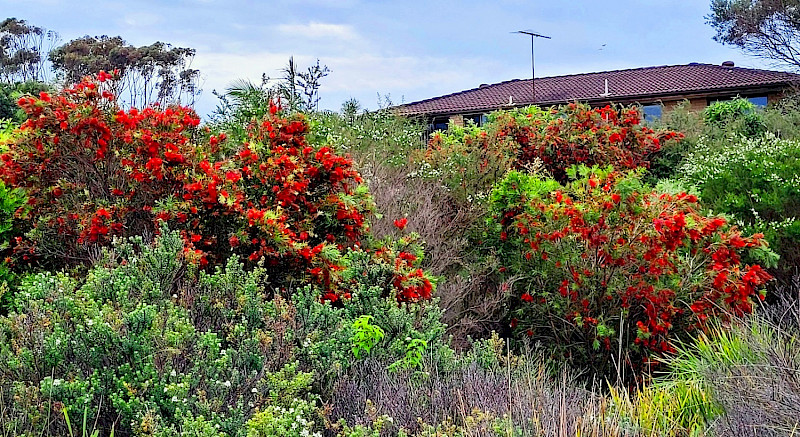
[{"x": 765, "y": 28}]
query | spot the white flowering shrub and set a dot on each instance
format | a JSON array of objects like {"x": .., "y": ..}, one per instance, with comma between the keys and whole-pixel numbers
[
  {"x": 379, "y": 136},
  {"x": 292, "y": 411},
  {"x": 755, "y": 180}
]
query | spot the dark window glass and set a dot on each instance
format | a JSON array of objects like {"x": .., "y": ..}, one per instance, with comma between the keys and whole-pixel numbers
[
  {"x": 439, "y": 124},
  {"x": 651, "y": 112},
  {"x": 760, "y": 101},
  {"x": 478, "y": 119}
]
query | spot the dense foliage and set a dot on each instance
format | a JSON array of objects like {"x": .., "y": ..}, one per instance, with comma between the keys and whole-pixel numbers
[
  {"x": 555, "y": 139},
  {"x": 605, "y": 266},
  {"x": 147, "y": 347},
  {"x": 239, "y": 278},
  {"x": 756, "y": 181},
  {"x": 93, "y": 171}
]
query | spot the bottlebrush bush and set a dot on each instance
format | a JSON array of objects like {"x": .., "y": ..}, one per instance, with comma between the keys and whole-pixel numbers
[
  {"x": 473, "y": 158},
  {"x": 93, "y": 172},
  {"x": 577, "y": 134},
  {"x": 604, "y": 261}
]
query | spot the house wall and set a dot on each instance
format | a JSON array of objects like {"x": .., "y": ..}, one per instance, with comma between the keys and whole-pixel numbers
[
  {"x": 457, "y": 120},
  {"x": 695, "y": 105}
]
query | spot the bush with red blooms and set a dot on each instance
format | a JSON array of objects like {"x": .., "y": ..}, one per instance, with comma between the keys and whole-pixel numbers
[
  {"x": 554, "y": 139},
  {"x": 605, "y": 262},
  {"x": 577, "y": 134},
  {"x": 93, "y": 172}
]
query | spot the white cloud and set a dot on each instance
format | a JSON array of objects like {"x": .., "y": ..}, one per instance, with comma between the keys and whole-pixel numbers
[{"x": 316, "y": 30}]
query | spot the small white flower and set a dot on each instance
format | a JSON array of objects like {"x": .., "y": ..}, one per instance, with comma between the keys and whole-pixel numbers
[{"x": 227, "y": 383}]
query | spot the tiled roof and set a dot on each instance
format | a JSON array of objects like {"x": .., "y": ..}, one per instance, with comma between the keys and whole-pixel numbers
[{"x": 643, "y": 83}]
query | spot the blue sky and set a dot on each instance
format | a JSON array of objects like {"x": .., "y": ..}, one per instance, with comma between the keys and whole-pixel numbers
[{"x": 409, "y": 49}]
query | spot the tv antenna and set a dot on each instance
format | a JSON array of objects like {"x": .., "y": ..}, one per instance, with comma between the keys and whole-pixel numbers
[{"x": 533, "y": 36}]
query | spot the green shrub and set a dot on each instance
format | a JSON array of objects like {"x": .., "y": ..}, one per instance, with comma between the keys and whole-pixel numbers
[
  {"x": 370, "y": 138},
  {"x": 717, "y": 125},
  {"x": 740, "y": 114},
  {"x": 144, "y": 344},
  {"x": 327, "y": 329},
  {"x": 10, "y": 92},
  {"x": 292, "y": 411},
  {"x": 12, "y": 202}
]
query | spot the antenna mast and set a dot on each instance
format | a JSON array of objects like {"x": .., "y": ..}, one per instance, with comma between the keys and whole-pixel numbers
[{"x": 533, "y": 36}]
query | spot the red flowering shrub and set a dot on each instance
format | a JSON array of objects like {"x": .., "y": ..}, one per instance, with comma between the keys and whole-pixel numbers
[
  {"x": 93, "y": 172},
  {"x": 554, "y": 139},
  {"x": 577, "y": 134},
  {"x": 604, "y": 262}
]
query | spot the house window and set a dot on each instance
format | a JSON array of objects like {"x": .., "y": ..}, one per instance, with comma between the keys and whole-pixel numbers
[
  {"x": 439, "y": 124},
  {"x": 760, "y": 101},
  {"x": 652, "y": 112},
  {"x": 478, "y": 119}
]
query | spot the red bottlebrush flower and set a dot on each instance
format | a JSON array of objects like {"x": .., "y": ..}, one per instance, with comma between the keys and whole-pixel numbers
[
  {"x": 154, "y": 164},
  {"x": 401, "y": 223},
  {"x": 233, "y": 176},
  {"x": 526, "y": 297}
]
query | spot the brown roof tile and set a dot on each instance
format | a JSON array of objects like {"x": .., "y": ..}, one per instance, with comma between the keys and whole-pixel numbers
[{"x": 644, "y": 83}]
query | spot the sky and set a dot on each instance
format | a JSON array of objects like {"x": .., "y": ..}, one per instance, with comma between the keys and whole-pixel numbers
[{"x": 407, "y": 50}]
